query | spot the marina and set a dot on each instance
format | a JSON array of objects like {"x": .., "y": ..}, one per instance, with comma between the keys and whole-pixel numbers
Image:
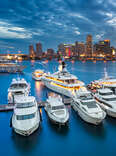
[{"x": 66, "y": 134}]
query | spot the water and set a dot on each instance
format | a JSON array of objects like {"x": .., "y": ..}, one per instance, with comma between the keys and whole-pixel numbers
[{"x": 79, "y": 138}]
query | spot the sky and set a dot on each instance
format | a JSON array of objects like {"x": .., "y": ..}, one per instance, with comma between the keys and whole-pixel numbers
[{"x": 51, "y": 22}]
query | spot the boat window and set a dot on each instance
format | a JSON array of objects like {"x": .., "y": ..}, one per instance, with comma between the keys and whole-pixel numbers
[
  {"x": 58, "y": 107},
  {"x": 21, "y": 85},
  {"x": 110, "y": 99},
  {"x": 25, "y": 105},
  {"x": 108, "y": 93},
  {"x": 18, "y": 93},
  {"x": 25, "y": 117},
  {"x": 71, "y": 81},
  {"x": 90, "y": 104}
]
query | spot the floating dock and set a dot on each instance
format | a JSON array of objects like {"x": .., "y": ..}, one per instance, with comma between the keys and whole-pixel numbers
[{"x": 10, "y": 107}]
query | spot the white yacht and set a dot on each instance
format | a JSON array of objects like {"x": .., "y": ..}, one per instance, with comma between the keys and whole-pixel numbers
[
  {"x": 62, "y": 81},
  {"x": 37, "y": 74},
  {"x": 105, "y": 82},
  {"x": 6, "y": 66},
  {"x": 26, "y": 117},
  {"x": 87, "y": 108},
  {"x": 56, "y": 109},
  {"x": 107, "y": 101},
  {"x": 18, "y": 87}
]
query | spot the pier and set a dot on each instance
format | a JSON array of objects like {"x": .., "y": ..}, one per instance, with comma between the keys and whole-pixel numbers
[{"x": 41, "y": 104}]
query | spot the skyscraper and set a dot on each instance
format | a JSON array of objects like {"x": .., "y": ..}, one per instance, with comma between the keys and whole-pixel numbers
[
  {"x": 61, "y": 49},
  {"x": 103, "y": 48},
  {"x": 89, "y": 47},
  {"x": 31, "y": 51},
  {"x": 81, "y": 49},
  {"x": 38, "y": 49}
]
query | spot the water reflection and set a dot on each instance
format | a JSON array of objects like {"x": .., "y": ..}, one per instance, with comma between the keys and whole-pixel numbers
[
  {"x": 26, "y": 144},
  {"x": 38, "y": 89},
  {"x": 97, "y": 131},
  {"x": 111, "y": 121}
]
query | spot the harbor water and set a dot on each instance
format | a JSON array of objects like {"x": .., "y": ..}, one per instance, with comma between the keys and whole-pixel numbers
[{"x": 78, "y": 138}]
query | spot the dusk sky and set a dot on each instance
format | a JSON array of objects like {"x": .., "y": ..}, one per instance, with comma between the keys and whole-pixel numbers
[{"x": 51, "y": 22}]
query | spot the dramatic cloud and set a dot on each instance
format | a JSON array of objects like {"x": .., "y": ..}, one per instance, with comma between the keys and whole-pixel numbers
[{"x": 24, "y": 22}]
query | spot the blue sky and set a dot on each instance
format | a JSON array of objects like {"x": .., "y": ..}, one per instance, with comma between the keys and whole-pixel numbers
[{"x": 24, "y": 22}]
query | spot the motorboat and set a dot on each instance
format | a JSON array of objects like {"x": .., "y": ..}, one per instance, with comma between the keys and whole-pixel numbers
[
  {"x": 105, "y": 82},
  {"x": 56, "y": 110},
  {"x": 62, "y": 81},
  {"x": 18, "y": 87},
  {"x": 26, "y": 117},
  {"x": 37, "y": 74},
  {"x": 7, "y": 66},
  {"x": 107, "y": 101},
  {"x": 88, "y": 108}
]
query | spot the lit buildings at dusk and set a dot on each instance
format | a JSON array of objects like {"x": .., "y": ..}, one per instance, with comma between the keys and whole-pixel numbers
[
  {"x": 103, "y": 48},
  {"x": 38, "y": 49},
  {"x": 89, "y": 46},
  {"x": 87, "y": 49},
  {"x": 31, "y": 51},
  {"x": 78, "y": 49}
]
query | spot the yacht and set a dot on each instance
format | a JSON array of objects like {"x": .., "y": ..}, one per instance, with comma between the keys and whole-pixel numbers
[
  {"x": 37, "y": 74},
  {"x": 87, "y": 107},
  {"x": 18, "y": 87},
  {"x": 6, "y": 66},
  {"x": 105, "y": 82},
  {"x": 56, "y": 110},
  {"x": 62, "y": 81},
  {"x": 107, "y": 101},
  {"x": 26, "y": 117}
]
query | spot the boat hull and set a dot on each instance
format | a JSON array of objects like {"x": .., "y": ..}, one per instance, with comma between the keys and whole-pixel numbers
[
  {"x": 57, "y": 89},
  {"x": 88, "y": 118},
  {"x": 64, "y": 121},
  {"x": 27, "y": 132},
  {"x": 109, "y": 111},
  {"x": 36, "y": 78}
]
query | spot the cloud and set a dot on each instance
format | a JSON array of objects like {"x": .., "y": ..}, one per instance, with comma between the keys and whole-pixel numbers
[
  {"x": 53, "y": 22},
  {"x": 8, "y": 30},
  {"x": 77, "y": 32}
]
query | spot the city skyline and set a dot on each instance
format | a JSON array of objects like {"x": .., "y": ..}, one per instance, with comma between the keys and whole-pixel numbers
[{"x": 53, "y": 22}]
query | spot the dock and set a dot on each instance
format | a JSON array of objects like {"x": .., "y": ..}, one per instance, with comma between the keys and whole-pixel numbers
[{"x": 41, "y": 104}]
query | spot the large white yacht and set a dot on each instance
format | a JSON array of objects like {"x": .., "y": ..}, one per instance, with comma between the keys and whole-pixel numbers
[
  {"x": 105, "y": 82},
  {"x": 26, "y": 117},
  {"x": 56, "y": 109},
  {"x": 62, "y": 81},
  {"x": 87, "y": 107},
  {"x": 37, "y": 74},
  {"x": 6, "y": 66},
  {"x": 18, "y": 87},
  {"x": 107, "y": 101}
]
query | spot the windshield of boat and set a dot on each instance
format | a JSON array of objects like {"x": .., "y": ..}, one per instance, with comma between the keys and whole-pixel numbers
[
  {"x": 25, "y": 105},
  {"x": 110, "y": 99},
  {"x": 105, "y": 93},
  {"x": 25, "y": 117},
  {"x": 86, "y": 97},
  {"x": 18, "y": 93},
  {"x": 90, "y": 104},
  {"x": 58, "y": 107},
  {"x": 18, "y": 85}
]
